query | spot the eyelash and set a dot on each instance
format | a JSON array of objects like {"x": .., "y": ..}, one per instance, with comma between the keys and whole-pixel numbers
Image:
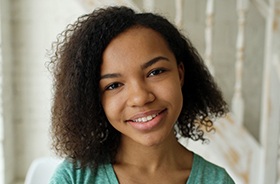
[
  {"x": 113, "y": 86},
  {"x": 156, "y": 72},
  {"x": 150, "y": 74}
]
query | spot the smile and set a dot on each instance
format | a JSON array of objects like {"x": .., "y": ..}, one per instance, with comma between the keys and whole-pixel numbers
[
  {"x": 145, "y": 119},
  {"x": 148, "y": 120}
]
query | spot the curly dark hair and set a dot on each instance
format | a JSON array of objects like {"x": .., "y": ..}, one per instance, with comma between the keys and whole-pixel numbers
[{"x": 80, "y": 129}]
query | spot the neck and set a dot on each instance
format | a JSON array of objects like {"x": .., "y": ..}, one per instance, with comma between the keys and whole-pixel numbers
[{"x": 169, "y": 153}]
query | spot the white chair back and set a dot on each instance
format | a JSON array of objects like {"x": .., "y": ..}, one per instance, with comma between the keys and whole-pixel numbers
[{"x": 41, "y": 170}]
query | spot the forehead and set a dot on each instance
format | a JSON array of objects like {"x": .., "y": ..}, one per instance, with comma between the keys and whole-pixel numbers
[{"x": 136, "y": 43}]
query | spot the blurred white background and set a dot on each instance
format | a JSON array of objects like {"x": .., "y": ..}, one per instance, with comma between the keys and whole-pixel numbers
[{"x": 28, "y": 27}]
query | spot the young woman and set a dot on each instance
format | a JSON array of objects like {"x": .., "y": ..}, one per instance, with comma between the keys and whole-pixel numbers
[{"x": 126, "y": 85}]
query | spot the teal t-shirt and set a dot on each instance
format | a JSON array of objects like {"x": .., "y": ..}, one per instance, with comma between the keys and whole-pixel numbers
[{"x": 202, "y": 172}]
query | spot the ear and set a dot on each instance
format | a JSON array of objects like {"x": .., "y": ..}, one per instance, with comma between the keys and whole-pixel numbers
[{"x": 181, "y": 71}]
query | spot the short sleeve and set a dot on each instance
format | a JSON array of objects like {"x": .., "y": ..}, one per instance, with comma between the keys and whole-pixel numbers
[
  {"x": 62, "y": 174},
  {"x": 207, "y": 172}
]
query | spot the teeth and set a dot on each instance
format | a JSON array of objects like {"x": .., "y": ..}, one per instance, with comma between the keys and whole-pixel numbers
[{"x": 145, "y": 119}]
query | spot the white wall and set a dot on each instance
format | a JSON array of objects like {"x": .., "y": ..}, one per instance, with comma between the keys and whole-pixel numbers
[
  {"x": 7, "y": 93},
  {"x": 34, "y": 25}
]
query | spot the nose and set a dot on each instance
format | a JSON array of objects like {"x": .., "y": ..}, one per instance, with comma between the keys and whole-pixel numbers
[{"x": 139, "y": 95}]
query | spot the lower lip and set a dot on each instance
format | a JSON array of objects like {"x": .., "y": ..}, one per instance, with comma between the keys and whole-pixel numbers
[{"x": 149, "y": 125}]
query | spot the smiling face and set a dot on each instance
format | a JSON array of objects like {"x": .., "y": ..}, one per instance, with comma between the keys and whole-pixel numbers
[{"x": 141, "y": 86}]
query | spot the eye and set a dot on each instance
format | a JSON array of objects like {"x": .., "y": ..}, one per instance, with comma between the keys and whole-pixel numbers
[
  {"x": 156, "y": 72},
  {"x": 113, "y": 86}
]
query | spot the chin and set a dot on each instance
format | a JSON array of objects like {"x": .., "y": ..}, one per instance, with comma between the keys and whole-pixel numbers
[{"x": 154, "y": 140}]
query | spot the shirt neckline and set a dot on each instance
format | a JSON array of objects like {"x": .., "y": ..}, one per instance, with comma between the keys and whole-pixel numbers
[{"x": 113, "y": 180}]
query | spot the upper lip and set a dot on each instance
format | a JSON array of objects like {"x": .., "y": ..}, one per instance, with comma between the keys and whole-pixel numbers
[{"x": 145, "y": 114}]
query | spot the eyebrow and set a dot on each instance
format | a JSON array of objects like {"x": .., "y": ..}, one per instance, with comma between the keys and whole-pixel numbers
[
  {"x": 153, "y": 61},
  {"x": 110, "y": 75},
  {"x": 144, "y": 66}
]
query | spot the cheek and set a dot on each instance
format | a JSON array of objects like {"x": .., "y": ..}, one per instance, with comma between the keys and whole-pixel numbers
[
  {"x": 174, "y": 94},
  {"x": 112, "y": 107},
  {"x": 172, "y": 89},
  {"x": 171, "y": 93}
]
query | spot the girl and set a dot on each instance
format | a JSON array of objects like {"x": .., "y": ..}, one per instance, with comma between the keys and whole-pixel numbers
[{"x": 126, "y": 85}]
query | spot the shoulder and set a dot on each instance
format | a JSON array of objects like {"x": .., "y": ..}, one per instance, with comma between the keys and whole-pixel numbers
[
  {"x": 68, "y": 173},
  {"x": 63, "y": 173},
  {"x": 207, "y": 172}
]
